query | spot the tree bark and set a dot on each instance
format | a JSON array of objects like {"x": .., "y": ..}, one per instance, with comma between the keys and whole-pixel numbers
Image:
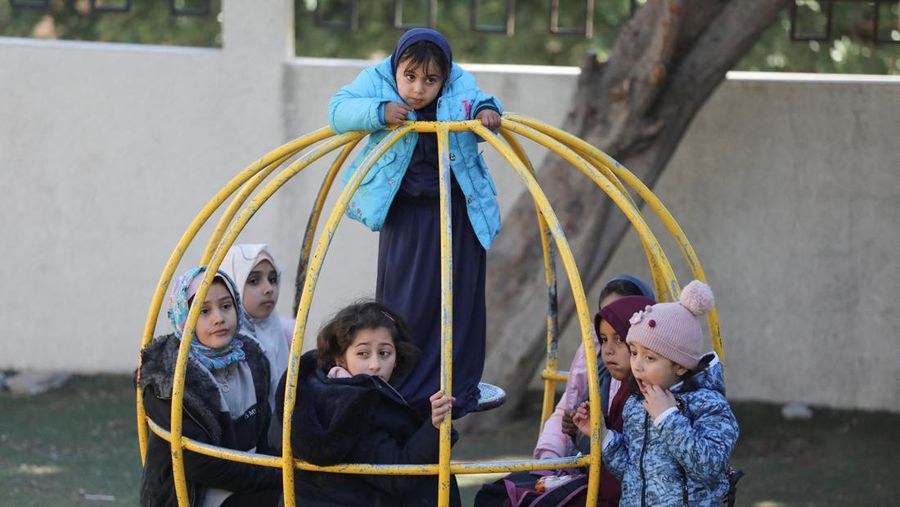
[{"x": 667, "y": 60}]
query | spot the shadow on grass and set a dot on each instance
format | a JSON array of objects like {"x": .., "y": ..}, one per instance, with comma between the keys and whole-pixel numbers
[{"x": 78, "y": 446}]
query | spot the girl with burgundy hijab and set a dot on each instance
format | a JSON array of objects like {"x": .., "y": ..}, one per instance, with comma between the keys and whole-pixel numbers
[
  {"x": 678, "y": 429},
  {"x": 611, "y": 324},
  {"x": 400, "y": 197},
  {"x": 556, "y": 439}
]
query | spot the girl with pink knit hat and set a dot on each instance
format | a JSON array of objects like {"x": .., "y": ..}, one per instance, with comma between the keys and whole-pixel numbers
[{"x": 678, "y": 430}]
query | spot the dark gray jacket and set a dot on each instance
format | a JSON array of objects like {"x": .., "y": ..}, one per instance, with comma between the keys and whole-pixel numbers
[{"x": 204, "y": 420}]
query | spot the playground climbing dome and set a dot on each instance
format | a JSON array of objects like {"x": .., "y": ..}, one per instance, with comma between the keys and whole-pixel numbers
[{"x": 612, "y": 178}]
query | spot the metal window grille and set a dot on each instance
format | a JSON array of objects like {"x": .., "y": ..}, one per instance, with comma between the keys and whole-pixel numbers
[
  {"x": 587, "y": 30},
  {"x": 188, "y": 8},
  {"x": 826, "y": 16},
  {"x": 508, "y": 28},
  {"x": 349, "y": 22},
  {"x": 107, "y": 6},
  {"x": 29, "y": 4},
  {"x": 876, "y": 22},
  {"x": 430, "y": 8},
  {"x": 827, "y": 12}
]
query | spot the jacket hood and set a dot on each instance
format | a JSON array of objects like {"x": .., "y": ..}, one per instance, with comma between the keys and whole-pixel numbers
[
  {"x": 327, "y": 422},
  {"x": 710, "y": 375}
]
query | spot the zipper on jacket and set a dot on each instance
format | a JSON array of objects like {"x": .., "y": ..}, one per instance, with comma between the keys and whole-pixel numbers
[
  {"x": 188, "y": 412},
  {"x": 644, "y": 449},
  {"x": 205, "y": 430}
]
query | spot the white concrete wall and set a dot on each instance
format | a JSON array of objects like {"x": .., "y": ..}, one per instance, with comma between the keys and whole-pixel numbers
[
  {"x": 107, "y": 153},
  {"x": 788, "y": 191}
]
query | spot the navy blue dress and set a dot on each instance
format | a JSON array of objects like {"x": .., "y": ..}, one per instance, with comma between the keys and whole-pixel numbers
[{"x": 409, "y": 280}]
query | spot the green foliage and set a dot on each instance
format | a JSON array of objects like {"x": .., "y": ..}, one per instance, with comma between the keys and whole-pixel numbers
[
  {"x": 852, "y": 49},
  {"x": 531, "y": 43},
  {"x": 147, "y": 22}
]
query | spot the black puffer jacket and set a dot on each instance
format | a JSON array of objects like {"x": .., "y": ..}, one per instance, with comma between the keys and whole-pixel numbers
[
  {"x": 359, "y": 420},
  {"x": 204, "y": 420}
]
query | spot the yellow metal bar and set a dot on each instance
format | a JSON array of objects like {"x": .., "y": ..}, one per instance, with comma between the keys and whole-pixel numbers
[
  {"x": 661, "y": 275},
  {"x": 664, "y": 291},
  {"x": 250, "y": 458},
  {"x": 652, "y": 201},
  {"x": 446, "y": 243},
  {"x": 549, "y": 400},
  {"x": 657, "y": 274},
  {"x": 309, "y": 286},
  {"x": 235, "y": 205},
  {"x": 584, "y": 319},
  {"x": 186, "y": 238},
  {"x": 687, "y": 251},
  {"x": 558, "y": 375},
  {"x": 233, "y": 230},
  {"x": 601, "y": 162},
  {"x": 455, "y": 467},
  {"x": 625, "y": 204},
  {"x": 313, "y": 221},
  {"x": 248, "y": 189},
  {"x": 587, "y": 159}
]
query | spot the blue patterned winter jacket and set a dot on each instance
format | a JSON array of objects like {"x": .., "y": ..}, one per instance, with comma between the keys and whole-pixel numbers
[
  {"x": 689, "y": 450},
  {"x": 360, "y": 106}
]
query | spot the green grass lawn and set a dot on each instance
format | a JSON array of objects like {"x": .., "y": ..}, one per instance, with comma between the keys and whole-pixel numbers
[
  {"x": 73, "y": 446},
  {"x": 78, "y": 446}
]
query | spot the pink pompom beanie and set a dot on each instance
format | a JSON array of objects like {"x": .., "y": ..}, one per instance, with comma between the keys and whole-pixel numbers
[{"x": 673, "y": 329}]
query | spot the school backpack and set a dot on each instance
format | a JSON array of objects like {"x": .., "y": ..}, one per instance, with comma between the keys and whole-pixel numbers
[
  {"x": 733, "y": 477},
  {"x": 518, "y": 490}
]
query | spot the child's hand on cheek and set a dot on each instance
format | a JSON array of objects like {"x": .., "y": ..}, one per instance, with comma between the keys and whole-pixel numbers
[
  {"x": 657, "y": 400},
  {"x": 395, "y": 112},
  {"x": 582, "y": 418},
  {"x": 489, "y": 118},
  {"x": 440, "y": 406}
]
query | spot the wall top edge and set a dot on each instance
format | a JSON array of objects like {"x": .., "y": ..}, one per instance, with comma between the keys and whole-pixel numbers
[
  {"x": 306, "y": 61},
  {"x": 734, "y": 75},
  {"x": 309, "y": 61},
  {"x": 808, "y": 77},
  {"x": 105, "y": 46}
]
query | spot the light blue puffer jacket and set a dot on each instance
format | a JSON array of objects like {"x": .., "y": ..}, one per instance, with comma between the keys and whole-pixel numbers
[
  {"x": 359, "y": 106},
  {"x": 690, "y": 447}
]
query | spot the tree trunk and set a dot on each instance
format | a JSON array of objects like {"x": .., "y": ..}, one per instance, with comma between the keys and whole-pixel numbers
[{"x": 667, "y": 60}]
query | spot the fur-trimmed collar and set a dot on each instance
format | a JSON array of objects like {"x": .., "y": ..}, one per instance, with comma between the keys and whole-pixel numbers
[
  {"x": 202, "y": 398},
  {"x": 331, "y": 413}
]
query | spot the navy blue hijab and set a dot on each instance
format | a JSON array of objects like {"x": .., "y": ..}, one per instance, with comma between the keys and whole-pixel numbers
[
  {"x": 421, "y": 178},
  {"x": 420, "y": 35}
]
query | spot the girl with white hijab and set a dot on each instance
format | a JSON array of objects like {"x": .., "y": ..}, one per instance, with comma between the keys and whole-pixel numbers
[{"x": 254, "y": 271}]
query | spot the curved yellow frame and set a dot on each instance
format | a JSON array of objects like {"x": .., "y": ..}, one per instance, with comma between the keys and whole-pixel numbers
[{"x": 606, "y": 173}]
